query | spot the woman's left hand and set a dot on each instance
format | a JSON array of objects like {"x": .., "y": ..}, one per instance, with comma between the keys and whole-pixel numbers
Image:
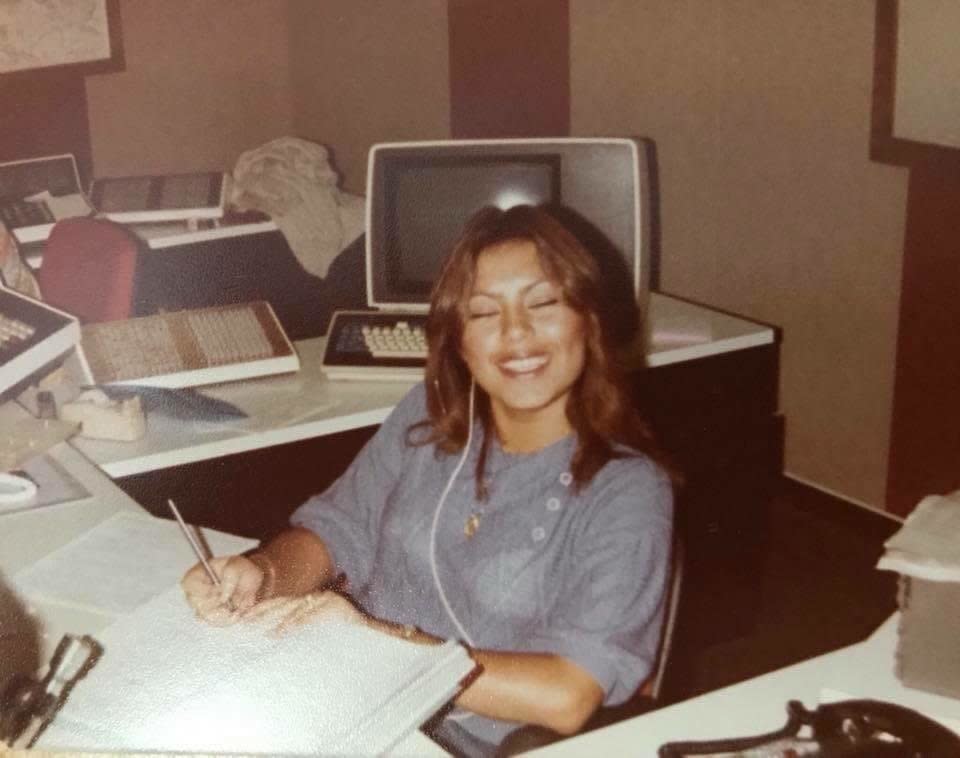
[{"x": 287, "y": 613}]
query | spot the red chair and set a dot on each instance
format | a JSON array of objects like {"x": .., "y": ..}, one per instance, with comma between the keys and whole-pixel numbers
[{"x": 88, "y": 269}]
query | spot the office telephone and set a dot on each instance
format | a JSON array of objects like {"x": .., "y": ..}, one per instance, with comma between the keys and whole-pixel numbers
[{"x": 846, "y": 729}]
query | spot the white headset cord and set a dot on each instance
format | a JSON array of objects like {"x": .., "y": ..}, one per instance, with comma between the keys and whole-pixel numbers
[{"x": 436, "y": 520}]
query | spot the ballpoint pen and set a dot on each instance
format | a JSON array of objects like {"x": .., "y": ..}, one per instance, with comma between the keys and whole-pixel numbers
[{"x": 194, "y": 544}]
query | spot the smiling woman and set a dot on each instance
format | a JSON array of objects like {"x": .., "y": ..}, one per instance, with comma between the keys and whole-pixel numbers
[
  {"x": 519, "y": 308},
  {"x": 543, "y": 547}
]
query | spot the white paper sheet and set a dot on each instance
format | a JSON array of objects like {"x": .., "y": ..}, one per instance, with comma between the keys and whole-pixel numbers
[
  {"x": 926, "y": 546},
  {"x": 119, "y": 564}
]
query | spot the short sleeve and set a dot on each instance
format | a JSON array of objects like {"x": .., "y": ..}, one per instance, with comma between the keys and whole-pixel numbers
[
  {"x": 348, "y": 514},
  {"x": 609, "y": 619}
]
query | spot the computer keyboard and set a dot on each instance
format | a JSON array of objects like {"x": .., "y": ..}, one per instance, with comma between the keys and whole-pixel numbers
[
  {"x": 25, "y": 213},
  {"x": 376, "y": 345},
  {"x": 189, "y": 348},
  {"x": 32, "y": 335}
]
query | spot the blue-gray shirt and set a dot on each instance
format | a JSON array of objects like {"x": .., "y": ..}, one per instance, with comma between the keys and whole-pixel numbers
[{"x": 548, "y": 569}]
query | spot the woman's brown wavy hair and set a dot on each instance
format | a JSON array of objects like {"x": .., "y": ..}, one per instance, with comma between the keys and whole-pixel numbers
[{"x": 599, "y": 407}]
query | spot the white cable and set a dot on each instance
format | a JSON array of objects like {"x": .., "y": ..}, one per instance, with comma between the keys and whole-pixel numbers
[{"x": 436, "y": 520}]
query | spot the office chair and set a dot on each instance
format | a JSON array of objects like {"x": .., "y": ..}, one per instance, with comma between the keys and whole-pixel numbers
[
  {"x": 653, "y": 688},
  {"x": 88, "y": 269},
  {"x": 649, "y": 694}
]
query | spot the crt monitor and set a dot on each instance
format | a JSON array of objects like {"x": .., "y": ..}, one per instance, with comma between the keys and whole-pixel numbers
[
  {"x": 419, "y": 194},
  {"x": 34, "y": 336}
]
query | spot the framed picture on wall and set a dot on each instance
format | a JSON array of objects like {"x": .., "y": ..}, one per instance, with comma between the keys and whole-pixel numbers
[
  {"x": 916, "y": 82},
  {"x": 81, "y": 36}
]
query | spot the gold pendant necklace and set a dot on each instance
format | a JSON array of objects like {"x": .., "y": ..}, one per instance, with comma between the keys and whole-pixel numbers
[{"x": 471, "y": 525}]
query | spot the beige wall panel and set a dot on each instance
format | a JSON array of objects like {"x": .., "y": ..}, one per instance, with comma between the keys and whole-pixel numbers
[
  {"x": 770, "y": 206},
  {"x": 204, "y": 81},
  {"x": 368, "y": 71}
]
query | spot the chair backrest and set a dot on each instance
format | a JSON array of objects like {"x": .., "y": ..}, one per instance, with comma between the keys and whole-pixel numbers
[
  {"x": 88, "y": 269},
  {"x": 653, "y": 687}
]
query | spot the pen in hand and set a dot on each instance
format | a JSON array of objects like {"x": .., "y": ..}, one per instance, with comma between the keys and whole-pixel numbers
[{"x": 214, "y": 579}]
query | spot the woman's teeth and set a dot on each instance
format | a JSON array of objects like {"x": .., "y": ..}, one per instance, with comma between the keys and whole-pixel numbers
[{"x": 523, "y": 365}]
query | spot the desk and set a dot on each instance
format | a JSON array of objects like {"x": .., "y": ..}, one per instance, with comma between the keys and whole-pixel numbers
[
  {"x": 27, "y": 536},
  {"x": 759, "y": 705}
]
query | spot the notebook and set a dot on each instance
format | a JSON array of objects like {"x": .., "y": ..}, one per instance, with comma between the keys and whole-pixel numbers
[{"x": 169, "y": 682}]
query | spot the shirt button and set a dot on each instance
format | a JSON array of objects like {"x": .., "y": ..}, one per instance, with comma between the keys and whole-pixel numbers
[
  {"x": 553, "y": 504},
  {"x": 565, "y": 478},
  {"x": 538, "y": 533}
]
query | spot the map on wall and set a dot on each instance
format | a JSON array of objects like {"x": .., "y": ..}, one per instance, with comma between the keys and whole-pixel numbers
[{"x": 42, "y": 33}]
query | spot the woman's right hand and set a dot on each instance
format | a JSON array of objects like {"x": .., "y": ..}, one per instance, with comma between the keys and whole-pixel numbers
[{"x": 241, "y": 582}]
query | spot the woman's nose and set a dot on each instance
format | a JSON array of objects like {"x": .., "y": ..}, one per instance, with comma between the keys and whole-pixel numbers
[{"x": 516, "y": 323}]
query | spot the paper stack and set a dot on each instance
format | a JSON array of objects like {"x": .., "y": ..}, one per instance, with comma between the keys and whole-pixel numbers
[
  {"x": 928, "y": 544},
  {"x": 926, "y": 553}
]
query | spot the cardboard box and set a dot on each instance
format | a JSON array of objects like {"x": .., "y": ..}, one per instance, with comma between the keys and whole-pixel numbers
[{"x": 928, "y": 650}]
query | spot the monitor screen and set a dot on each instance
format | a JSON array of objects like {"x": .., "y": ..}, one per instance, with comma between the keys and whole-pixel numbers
[
  {"x": 429, "y": 200},
  {"x": 56, "y": 173},
  {"x": 420, "y": 194}
]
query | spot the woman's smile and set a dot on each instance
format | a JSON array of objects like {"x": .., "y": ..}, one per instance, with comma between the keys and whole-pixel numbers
[{"x": 524, "y": 366}]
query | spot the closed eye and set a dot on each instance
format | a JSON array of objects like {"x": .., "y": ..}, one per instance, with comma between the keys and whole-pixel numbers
[{"x": 545, "y": 303}]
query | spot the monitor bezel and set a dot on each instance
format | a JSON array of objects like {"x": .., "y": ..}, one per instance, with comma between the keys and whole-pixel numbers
[{"x": 378, "y": 299}]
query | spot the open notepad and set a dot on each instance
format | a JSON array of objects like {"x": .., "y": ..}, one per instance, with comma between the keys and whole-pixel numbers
[{"x": 168, "y": 682}]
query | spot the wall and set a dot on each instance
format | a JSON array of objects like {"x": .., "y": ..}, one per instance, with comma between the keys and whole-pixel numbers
[
  {"x": 366, "y": 71},
  {"x": 204, "y": 81},
  {"x": 770, "y": 206},
  {"x": 760, "y": 111}
]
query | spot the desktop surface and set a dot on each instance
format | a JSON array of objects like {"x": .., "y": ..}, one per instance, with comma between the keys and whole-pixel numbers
[{"x": 758, "y": 705}]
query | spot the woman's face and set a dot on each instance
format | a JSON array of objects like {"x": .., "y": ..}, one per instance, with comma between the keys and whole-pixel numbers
[{"x": 521, "y": 341}]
